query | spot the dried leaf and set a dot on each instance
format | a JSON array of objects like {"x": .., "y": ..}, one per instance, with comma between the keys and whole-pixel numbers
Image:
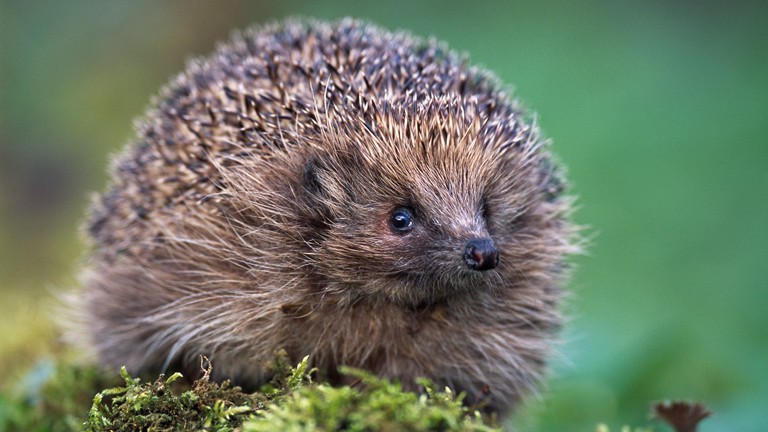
[{"x": 683, "y": 416}]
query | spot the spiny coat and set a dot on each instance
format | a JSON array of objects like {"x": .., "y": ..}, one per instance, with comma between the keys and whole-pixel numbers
[{"x": 255, "y": 213}]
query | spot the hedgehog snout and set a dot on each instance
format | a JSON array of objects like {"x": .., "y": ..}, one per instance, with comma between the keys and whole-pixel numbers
[{"x": 481, "y": 254}]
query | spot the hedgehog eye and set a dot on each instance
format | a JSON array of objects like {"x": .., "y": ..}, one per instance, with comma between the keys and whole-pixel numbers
[{"x": 401, "y": 220}]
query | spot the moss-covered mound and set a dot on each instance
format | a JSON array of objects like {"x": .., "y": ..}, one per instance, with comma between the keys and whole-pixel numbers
[
  {"x": 56, "y": 397},
  {"x": 291, "y": 402}
]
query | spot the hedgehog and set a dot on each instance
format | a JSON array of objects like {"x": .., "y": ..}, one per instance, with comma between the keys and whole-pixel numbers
[{"x": 333, "y": 190}]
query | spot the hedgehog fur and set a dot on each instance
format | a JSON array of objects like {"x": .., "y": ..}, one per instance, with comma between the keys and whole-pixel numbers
[{"x": 338, "y": 191}]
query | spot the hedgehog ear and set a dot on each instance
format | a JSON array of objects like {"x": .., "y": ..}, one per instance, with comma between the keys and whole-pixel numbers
[{"x": 310, "y": 178}]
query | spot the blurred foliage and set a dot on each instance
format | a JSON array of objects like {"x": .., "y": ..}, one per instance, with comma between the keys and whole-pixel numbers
[
  {"x": 659, "y": 109},
  {"x": 604, "y": 428},
  {"x": 53, "y": 397}
]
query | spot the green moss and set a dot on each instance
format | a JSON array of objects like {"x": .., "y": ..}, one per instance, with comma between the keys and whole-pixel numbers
[
  {"x": 155, "y": 406},
  {"x": 57, "y": 397},
  {"x": 372, "y": 405}
]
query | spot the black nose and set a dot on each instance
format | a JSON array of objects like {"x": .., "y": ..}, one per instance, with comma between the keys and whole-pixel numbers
[{"x": 481, "y": 254}]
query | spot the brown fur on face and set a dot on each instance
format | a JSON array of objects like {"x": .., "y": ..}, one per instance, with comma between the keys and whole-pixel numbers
[{"x": 255, "y": 213}]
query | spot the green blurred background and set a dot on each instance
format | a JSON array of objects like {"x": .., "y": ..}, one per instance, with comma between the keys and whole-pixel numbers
[{"x": 659, "y": 110}]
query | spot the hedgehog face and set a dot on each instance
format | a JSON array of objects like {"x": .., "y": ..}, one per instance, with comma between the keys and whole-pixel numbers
[{"x": 416, "y": 214}]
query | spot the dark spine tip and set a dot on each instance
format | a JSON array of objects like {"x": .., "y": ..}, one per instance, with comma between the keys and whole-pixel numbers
[{"x": 481, "y": 254}]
